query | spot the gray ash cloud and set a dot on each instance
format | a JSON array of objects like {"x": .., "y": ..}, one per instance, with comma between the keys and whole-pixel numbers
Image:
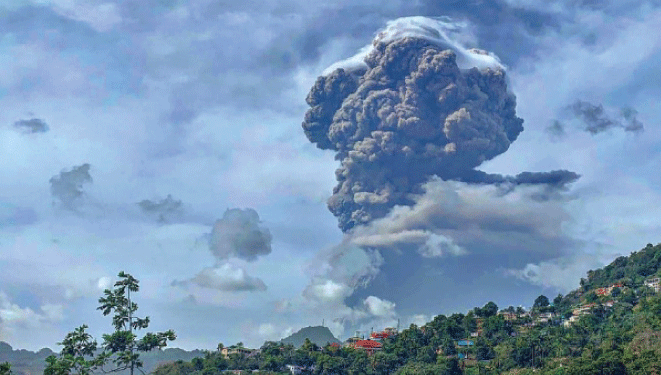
[
  {"x": 33, "y": 125},
  {"x": 67, "y": 187},
  {"x": 239, "y": 234},
  {"x": 556, "y": 130},
  {"x": 165, "y": 209},
  {"x": 409, "y": 114},
  {"x": 595, "y": 119}
]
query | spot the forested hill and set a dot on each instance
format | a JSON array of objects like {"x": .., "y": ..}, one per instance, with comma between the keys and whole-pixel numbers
[
  {"x": 24, "y": 361},
  {"x": 610, "y": 325},
  {"x": 628, "y": 270},
  {"x": 319, "y": 335}
]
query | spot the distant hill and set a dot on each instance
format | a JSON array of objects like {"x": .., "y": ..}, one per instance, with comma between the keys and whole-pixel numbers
[
  {"x": 319, "y": 335},
  {"x": 25, "y": 362}
]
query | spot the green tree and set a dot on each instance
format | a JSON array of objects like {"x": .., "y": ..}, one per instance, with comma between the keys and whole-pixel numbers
[
  {"x": 122, "y": 346},
  {"x": 270, "y": 363},
  {"x": 483, "y": 350},
  {"x": 177, "y": 368},
  {"x": 426, "y": 354},
  {"x": 591, "y": 297},
  {"x": 5, "y": 368},
  {"x": 78, "y": 346},
  {"x": 197, "y": 363},
  {"x": 214, "y": 363},
  {"x": 541, "y": 301},
  {"x": 628, "y": 296},
  {"x": 123, "y": 342},
  {"x": 384, "y": 363},
  {"x": 490, "y": 309},
  {"x": 449, "y": 347}
]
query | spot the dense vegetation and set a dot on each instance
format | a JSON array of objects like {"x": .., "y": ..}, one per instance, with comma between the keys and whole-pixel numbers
[{"x": 619, "y": 333}]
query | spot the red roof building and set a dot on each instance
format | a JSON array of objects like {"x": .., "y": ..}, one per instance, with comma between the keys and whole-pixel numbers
[
  {"x": 368, "y": 345},
  {"x": 388, "y": 332},
  {"x": 379, "y": 335},
  {"x": 607, "y": 290}
]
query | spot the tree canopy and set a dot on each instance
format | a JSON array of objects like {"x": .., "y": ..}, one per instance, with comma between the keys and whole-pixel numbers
[{"x": 121, "y": 348}]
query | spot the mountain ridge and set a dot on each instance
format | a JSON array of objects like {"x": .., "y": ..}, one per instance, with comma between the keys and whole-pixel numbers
[
  {"x": 319, "y": 335},
  {"x": 27, "y": 362}
]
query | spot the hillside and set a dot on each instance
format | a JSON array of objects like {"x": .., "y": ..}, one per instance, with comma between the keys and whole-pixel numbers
[
  {"x": 628, "y": 270},
  {"x": 610, "y": 325},
  {"x": 319, "y": 335},
  {"x": 25, "y": 362}
]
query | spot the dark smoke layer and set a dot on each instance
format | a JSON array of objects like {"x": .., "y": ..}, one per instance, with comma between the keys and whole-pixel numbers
[{"x": 411, "y": 113}]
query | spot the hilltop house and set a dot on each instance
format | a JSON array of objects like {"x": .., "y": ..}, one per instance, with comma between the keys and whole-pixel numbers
[
  {"x": 391, "y": 331},
  {"x": 299, "y": 369},
  {"x": 226, "y": 352},
  {"x": 388, "y": 332},
  {"x": 570, "y": 321},
  {"x": 351, "y": 342},
  {"x": 606, "y": 291},
  {"x": 578, "y": 312},
  {"x": 654, "y": 284},
  {"x": 370, "y": 346},
  {"x": 465, "y": 343},
  {"x": 508, "y": 316},
  {"x": 583, "y": 309},
  {"x": 544, "y": 317}
]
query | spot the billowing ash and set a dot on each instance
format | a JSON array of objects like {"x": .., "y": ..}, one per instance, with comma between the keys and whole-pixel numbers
[{"x": 409, "y": 113}]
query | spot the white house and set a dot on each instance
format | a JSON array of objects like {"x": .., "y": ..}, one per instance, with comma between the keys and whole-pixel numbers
[{"x": 654, "y": 284}]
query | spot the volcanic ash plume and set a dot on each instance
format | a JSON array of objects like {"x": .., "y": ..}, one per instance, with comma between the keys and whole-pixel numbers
[
  {"x": 68, "y": 186},
  {"x": 408, "y": 114}
]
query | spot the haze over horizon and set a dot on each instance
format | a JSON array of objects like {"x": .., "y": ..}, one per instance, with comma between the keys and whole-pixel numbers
[{"x": 164, "y": 138}]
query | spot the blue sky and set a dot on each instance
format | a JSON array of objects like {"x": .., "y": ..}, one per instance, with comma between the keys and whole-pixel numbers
[{"x": 203, "y": 101}]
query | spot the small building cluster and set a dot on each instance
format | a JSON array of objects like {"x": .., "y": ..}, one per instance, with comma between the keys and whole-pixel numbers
[
  {"x": 388, "y": 332},
  {"x": 299, "y": 369},
  {"x": 226, "y": 352},
  {"x": 606, "y": 291},
  {"x": 508, "y": 316},
  {"x": 654, "y": 284},
  {"x": 373, "y": 344},
  {"x": 544, "y": 317},
  {"x": 585, "y": 309}
]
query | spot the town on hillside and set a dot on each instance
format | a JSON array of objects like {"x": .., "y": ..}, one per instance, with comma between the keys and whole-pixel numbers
[{"x": 551, "y": 337}]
